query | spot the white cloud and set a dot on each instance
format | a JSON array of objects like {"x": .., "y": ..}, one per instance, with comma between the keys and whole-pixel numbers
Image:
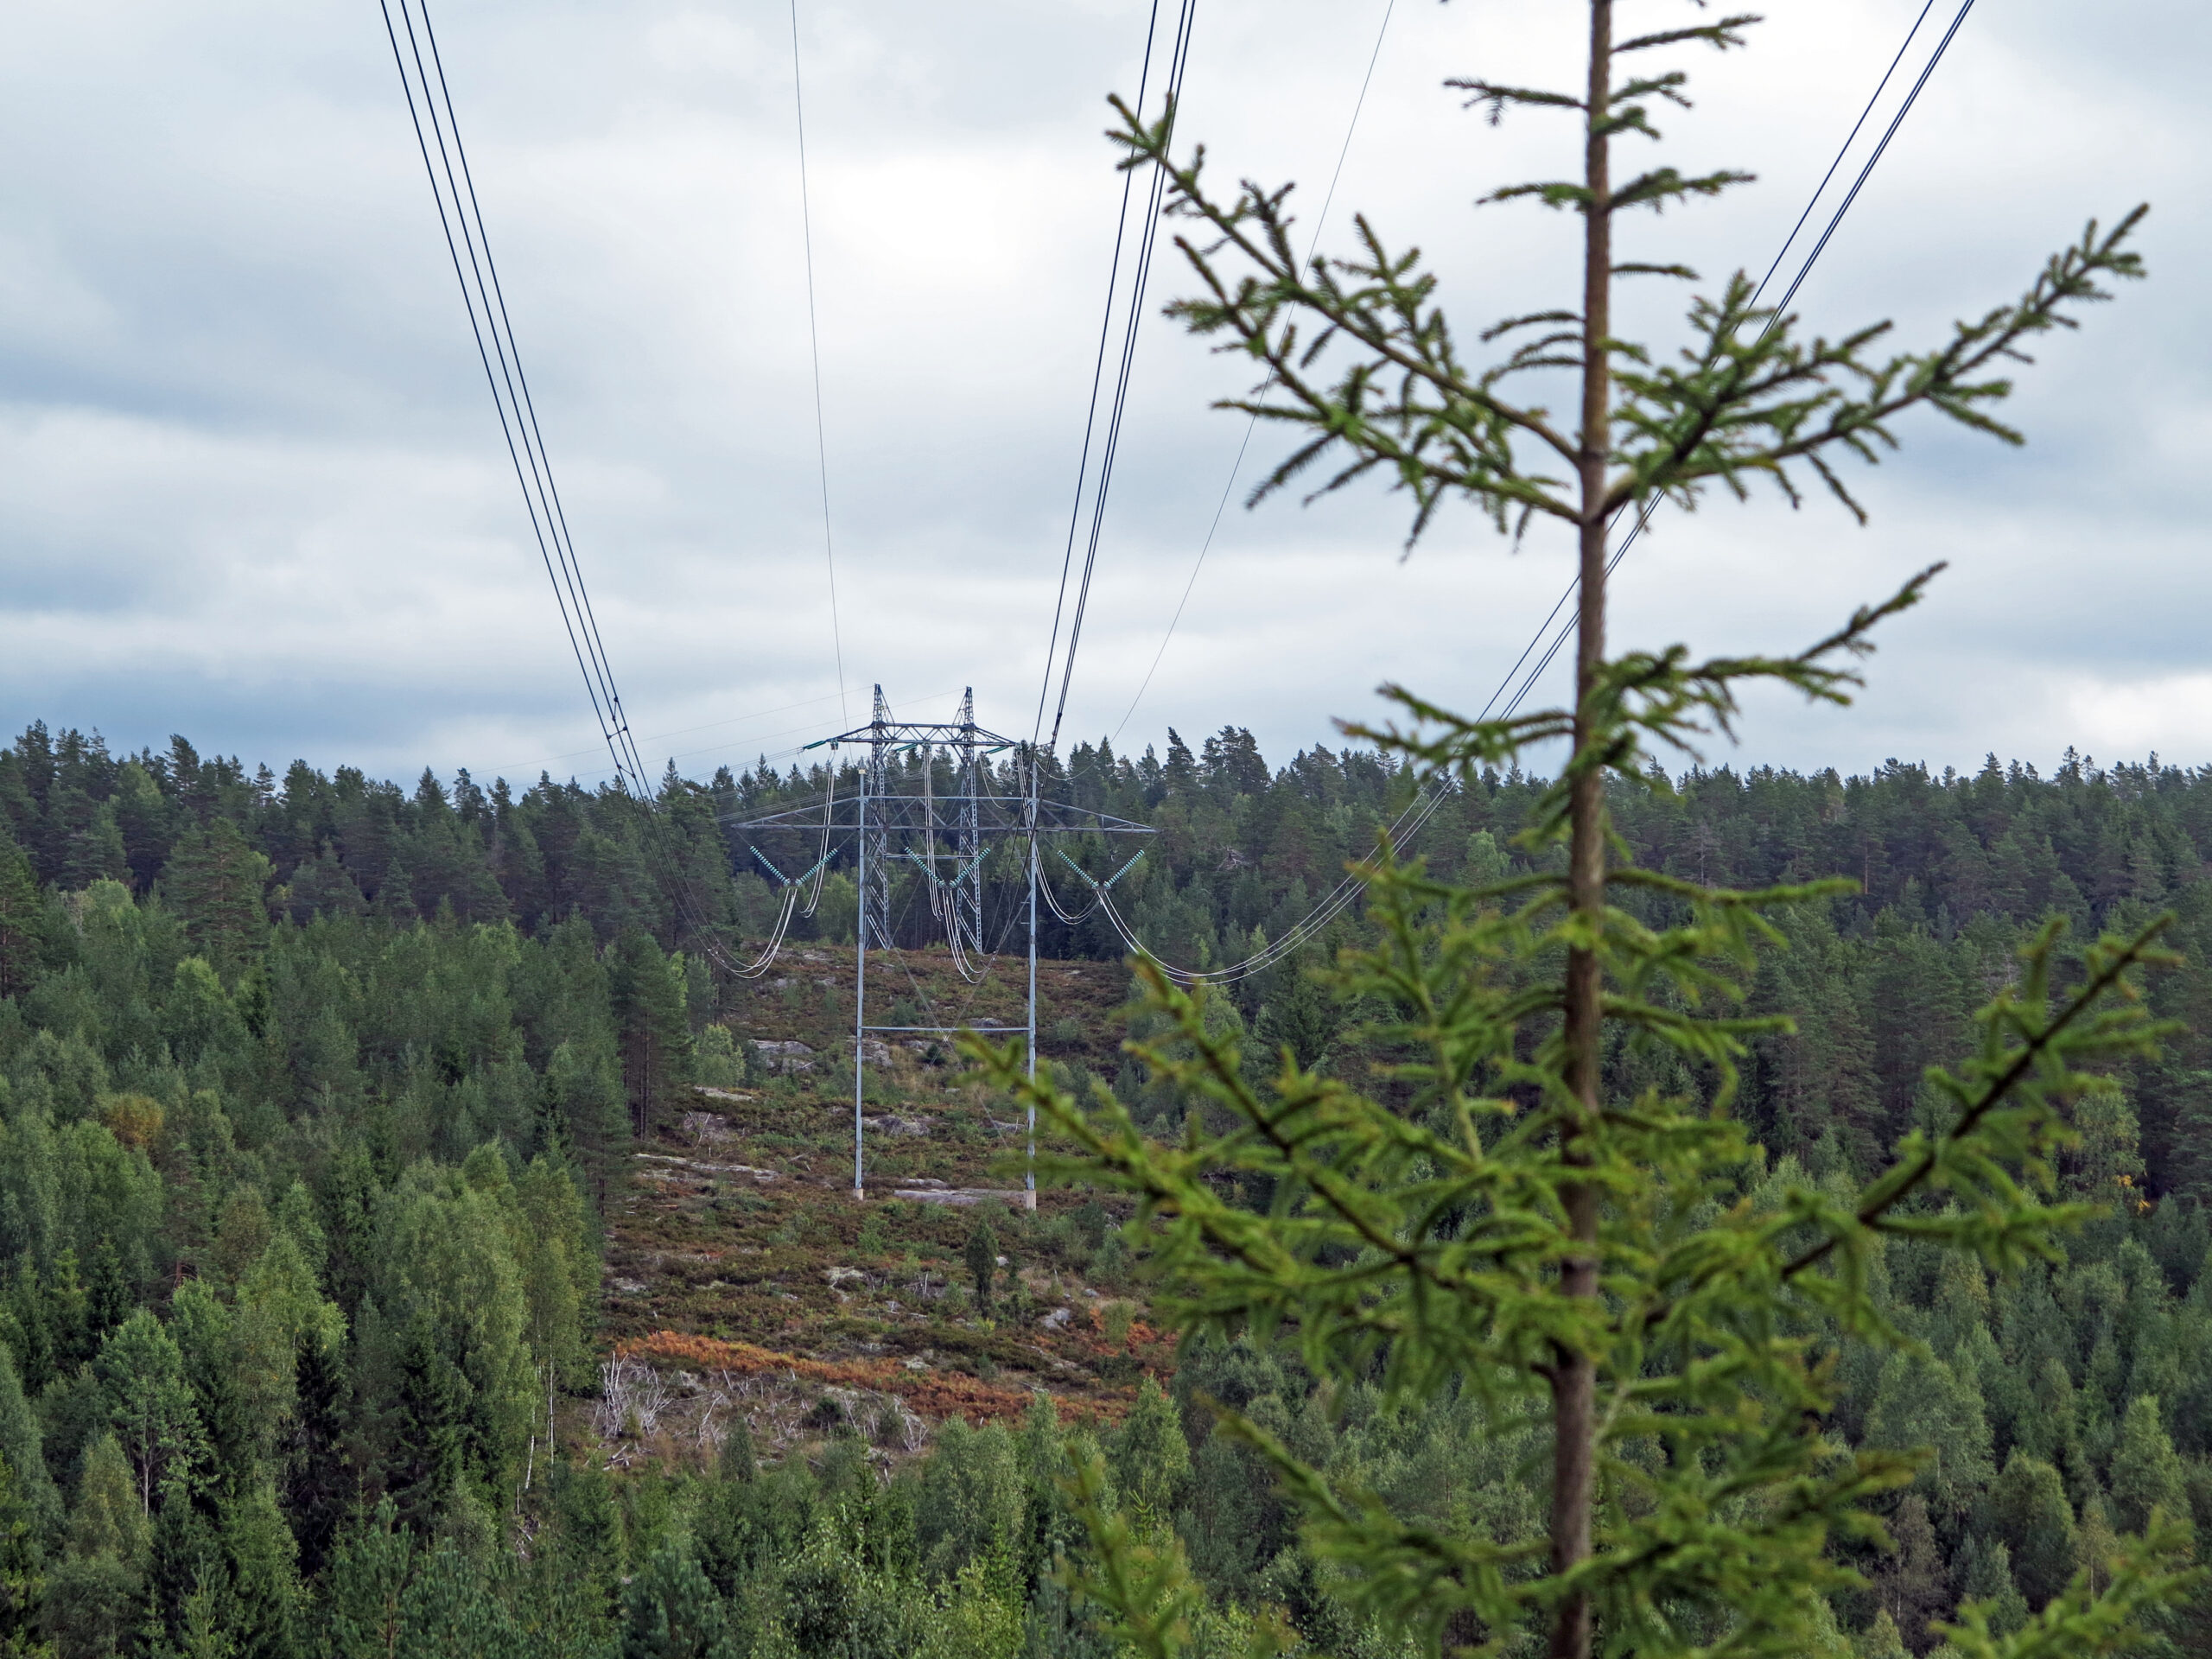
[{"x": 250, "y": 487}]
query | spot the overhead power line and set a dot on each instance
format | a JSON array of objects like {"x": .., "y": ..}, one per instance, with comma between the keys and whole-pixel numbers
[
  {"x": 814, "y": 344},
  {"x": 1844, "y": 149},
  {"x": 682, "y": 731},
  {"x": 470, "y": 249},
  {"x": 1252, "y": 425},
  {"x": 1644, "y": 510},
  {"x": 1156, "y": 180},
  {"x": 430, "y": 107},
  {"x": 1424, "y": 804}
]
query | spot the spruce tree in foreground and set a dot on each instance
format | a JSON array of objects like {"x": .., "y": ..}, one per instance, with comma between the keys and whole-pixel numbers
[{"x": 1512, "y": 1222}]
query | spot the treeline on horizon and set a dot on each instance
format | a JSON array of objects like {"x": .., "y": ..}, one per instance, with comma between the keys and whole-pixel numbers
[
  {"x": 1954, "y": 872},
  {"x": 314, "y": 1092}
]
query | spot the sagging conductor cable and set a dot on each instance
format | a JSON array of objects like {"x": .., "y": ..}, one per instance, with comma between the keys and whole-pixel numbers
[
  {"x": 1179, "y": 59},
  {"x": 478, "y": 279},
  {"x": 1425, "y": 803},
  {"x": 814, "y": 343},
  {"x": 460, "y": 220},
  {"x": 1252, "y": 425},
  {"x": 1645, "y": 509}
]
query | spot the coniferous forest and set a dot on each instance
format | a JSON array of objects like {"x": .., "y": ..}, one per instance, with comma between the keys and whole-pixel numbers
[{"x": 413, "y": 1241}]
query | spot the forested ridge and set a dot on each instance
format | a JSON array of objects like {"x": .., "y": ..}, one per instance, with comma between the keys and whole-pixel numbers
[{"x": 323, "y": 1102}]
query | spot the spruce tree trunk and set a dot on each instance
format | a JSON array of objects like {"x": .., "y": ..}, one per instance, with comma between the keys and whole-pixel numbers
[{"x": 1574, "y": 1380}]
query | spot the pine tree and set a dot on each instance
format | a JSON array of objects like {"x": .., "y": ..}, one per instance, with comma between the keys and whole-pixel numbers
[
  {"x": 649, "y": 995},
  {"x": 370, "y": 1571},
  {"x": 1985, "y": 1575},
  {"x": 674, "y": 1613},
  {"x": 1180, "y": 775},
  {"x": 215, "y": 880},
  {"x": 1914, "y": 1584},
  {"x": 19, "y": 911},
  {"x": 2030, "y": 1514},
  {"x": 1575, "y": 1251},
  {"x": 2146, "y": 1474},
  {"x": 982, "y": 1253},
  {"x": 450, "y": 1607}
]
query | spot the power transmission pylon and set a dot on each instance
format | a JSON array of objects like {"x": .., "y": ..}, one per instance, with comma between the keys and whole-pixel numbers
[
  {"x": 888, "y": 825},
  {"x": 967, "y": 881},
  {"x": 875, "y": 851}
]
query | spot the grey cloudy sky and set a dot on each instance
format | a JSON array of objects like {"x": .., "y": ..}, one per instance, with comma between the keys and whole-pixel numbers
[{"x": 251, "y": 488}]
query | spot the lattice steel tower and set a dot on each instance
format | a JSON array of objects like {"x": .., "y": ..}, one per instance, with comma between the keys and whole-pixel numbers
[{"x": 946, "y": 838}]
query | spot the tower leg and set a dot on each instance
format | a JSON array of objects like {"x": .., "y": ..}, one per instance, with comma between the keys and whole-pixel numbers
[
  {"x": 860, "y": 992},
  {"x": 1029, "y": 1175},
  {"x": 968, "y": 890}
]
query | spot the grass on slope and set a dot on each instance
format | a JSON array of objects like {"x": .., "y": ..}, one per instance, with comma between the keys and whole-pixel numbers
[{"x": 738, "y": 1257}]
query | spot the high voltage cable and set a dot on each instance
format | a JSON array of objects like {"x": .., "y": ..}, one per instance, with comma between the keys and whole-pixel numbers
[
  {"x": 1253, "y": 425},
  {"x": 1097, "y": 379},
  {"x": 1813, "y": 200},
  {"x": 454, "y": 189},
  {"x": 1645, "y": 510},
  {"x": 1158, "y": 181},
  {"x": 486, "y": 303},
  {"x": 1425, "y": 803},
  {"x": 1179, "y": 54},
  {"x": 480, "y": 293},
  {"x": 454, "y": 196},
  {"x": 686, "y": 731},
  {"x": 814, "y": 342}
]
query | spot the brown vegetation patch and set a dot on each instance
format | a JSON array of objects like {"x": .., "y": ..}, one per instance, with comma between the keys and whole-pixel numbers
[{"x": 928, "y": 1394}]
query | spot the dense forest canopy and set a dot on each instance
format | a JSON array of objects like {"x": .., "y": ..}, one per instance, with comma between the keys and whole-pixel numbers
[
  {"x": 319, "y": 1095},
  {"x": 1953, "y": 871}
]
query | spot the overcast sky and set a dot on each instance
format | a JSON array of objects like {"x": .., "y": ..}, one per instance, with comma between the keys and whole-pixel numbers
[{"x": 252, "y": 489}]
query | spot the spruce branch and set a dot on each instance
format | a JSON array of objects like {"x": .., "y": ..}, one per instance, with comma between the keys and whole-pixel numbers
[
  {"x": 1726, "y": 32},
  {"x": 1748, "y": 400},
  {"x": 1493, "y": 98},
  {"x": 1488, "y": 1216},
  {"x": 1745, "y": 408}
]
